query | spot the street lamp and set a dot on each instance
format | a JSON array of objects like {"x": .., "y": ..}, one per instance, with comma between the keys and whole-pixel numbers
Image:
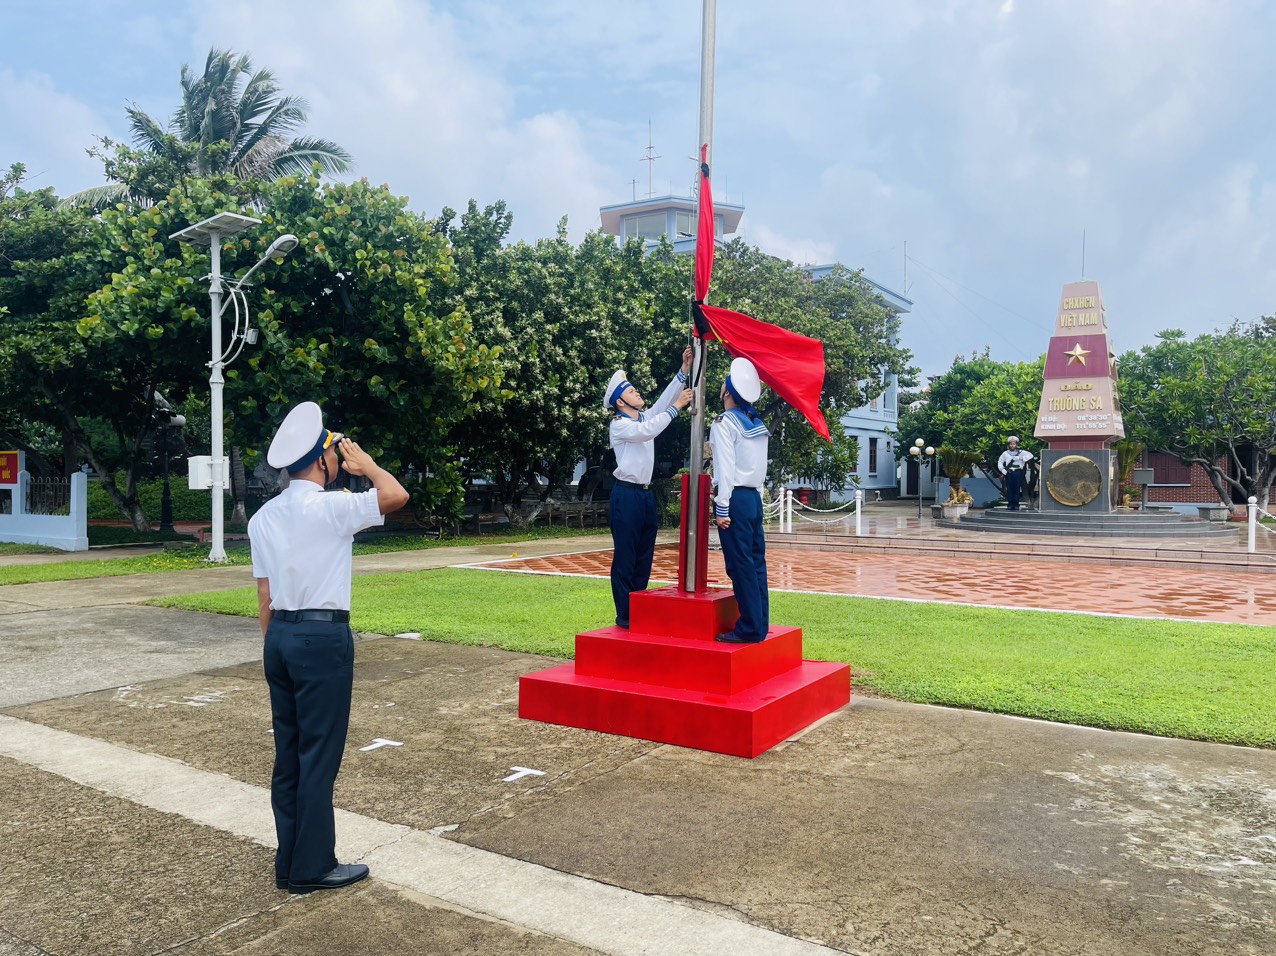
[
  {"x": 166, "y": 500},
  {"x": 210, "y": 233},
  {"x": 920, "y": 452}
]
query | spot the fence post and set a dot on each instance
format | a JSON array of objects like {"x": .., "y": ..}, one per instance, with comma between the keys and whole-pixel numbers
[
  {"x": 22, "y": 494},
  {"x": 859, "y": 512},
  {"x": 788, "y": 505},
  {"x": 80, "y": 510},
  {"x": 1253, "y": 523}
]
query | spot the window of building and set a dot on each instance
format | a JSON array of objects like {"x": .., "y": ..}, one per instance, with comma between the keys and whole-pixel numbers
[
  {"x": 872, "y": 457},
  {"x": 1168, "y": 470},
  {"x": 686, "y": 224},
  {"x": 650, "y": 226}
]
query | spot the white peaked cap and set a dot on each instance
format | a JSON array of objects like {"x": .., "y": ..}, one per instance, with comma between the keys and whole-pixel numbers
[
  {"x": 1012, "y": 438},
  {"x": 744, "y": 379},
  {"x": 617, "y": 379},
  {"x": 297, "y": 436}
]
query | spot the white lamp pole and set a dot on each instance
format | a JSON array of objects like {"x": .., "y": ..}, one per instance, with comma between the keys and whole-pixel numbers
[
  {"x": 921, "y": 452},
  {"x": 211, "y": 232}
]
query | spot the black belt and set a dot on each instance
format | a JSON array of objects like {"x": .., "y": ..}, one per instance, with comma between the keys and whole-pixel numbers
[
  {"x": 633, "y": 484},
  {"x": 296, "y": 617}
]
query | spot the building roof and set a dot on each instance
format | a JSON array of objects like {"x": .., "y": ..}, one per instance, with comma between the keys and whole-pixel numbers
[{"x": 611, "y": 215}]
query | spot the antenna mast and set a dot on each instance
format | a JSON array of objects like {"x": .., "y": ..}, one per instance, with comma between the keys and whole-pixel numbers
[{"x": 650, "y": 159}]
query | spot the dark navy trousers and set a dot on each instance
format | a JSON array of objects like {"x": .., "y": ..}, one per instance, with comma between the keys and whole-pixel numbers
[
  {"x": 744, "y": 549},
  {"x": 633, "y": 537},
  {"x": 310, "y": 671},
  {"x": 1014, "y": 489}
]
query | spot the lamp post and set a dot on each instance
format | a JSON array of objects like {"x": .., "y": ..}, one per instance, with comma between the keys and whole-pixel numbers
[
  {"x": 920, "y": 452},
  {"x": 166, "y": 500},
  {"x": 211, "y": 232}
]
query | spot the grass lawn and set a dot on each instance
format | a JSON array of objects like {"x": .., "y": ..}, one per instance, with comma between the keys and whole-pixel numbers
[
  {"x": 7, "y": 548},
  {"x": 1176, "y": 679},
  {"x": 184, "y": 559}
]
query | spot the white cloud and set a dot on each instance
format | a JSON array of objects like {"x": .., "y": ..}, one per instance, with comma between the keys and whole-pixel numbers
[
  {"x": 800, "y": 251},
  {"x": 48, "y": 130}
]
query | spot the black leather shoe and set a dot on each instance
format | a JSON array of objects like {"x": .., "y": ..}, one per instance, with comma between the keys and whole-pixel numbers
[
  {"x": 281, "y": 882},
  {"x": 731, "y": 637},
  {"x": 343, "y": 874}
]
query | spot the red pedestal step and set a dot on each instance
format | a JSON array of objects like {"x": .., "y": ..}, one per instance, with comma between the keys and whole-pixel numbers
[
  {"x": 689, "y": 663},
  {"x": 674, "y": 612},
  {"x": 667, "y": 679},
  {"x": 744, "y": 724}
]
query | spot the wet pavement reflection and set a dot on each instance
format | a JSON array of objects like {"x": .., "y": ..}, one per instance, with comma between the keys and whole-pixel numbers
[{"x": 1222, "y": 594}]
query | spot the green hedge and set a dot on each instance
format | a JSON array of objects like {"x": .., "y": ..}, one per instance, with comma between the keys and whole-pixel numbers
[{"x": 187, "y": 505}]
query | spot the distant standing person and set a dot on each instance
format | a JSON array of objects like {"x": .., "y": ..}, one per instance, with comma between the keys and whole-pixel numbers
[
  {"x": 1011, "y": 464},
  {"x": 740, "y": 442},
  {"x": 302, "y": 560},
  {"x": 632, "y": 510}
]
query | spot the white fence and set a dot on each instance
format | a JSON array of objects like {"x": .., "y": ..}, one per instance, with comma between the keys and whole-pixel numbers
[
  {"x": 788, "y": 506},
  {"x": 27, "y": 525}
]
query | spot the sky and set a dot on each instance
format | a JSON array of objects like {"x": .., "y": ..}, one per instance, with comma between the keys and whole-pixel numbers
[{"x": 994, "y": 139}]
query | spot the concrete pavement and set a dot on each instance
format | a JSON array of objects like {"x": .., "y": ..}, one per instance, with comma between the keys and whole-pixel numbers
[{"x": 134, "y": 753}]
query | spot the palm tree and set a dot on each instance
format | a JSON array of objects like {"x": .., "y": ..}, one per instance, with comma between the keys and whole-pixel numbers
[{"x": 233, "y": 121}]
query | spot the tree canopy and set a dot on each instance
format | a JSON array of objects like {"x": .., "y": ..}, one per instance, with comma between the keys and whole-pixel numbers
[{"x": 1211, "y": 401}]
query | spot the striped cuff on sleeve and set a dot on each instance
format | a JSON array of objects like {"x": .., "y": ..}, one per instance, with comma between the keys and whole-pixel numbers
[
  {"x": 673, "y": 412},
  {"x": 721, "y": 511},
  {"x": 682, "y": 376}
]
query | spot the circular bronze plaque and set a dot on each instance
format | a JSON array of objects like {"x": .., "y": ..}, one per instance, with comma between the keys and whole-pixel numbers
[{"x": 1074, "y": 480}]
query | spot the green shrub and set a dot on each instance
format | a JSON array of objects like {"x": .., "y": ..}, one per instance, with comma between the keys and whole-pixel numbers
[{"x": 188, "y": 505}]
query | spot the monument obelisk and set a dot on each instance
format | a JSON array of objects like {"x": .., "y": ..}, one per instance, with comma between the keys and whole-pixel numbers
[{"x": 1079, "y": 414}]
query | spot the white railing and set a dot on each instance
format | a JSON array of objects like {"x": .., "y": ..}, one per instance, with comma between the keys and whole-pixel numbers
[
  {"x": 1255, "y": 524},
  {"x": 68, "y": 532},
  {"x": 792, "y": 507}
]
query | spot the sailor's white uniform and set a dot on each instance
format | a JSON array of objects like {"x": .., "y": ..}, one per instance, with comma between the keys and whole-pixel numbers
[
  {"x": 301, "y": 543},
  {"x": 632, "y": 507},
  {"x": 1012, "y": 464},
  {"x": 740, "y": 442}
]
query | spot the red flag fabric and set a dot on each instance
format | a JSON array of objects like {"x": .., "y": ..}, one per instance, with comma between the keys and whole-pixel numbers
[
  {"x": 792, "y": 364},
  {"x": 706, "y": 231}
]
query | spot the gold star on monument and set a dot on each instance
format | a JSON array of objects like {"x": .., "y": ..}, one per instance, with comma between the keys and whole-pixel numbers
[{"x": 1077, "y": 354}]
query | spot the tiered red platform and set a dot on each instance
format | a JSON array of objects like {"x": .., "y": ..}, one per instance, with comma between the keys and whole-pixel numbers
[{"x": 667, "y": 679}]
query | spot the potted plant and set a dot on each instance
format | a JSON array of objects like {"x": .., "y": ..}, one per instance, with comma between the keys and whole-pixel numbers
[
  {"x": 958, "y": 502},
  {"x": 957, "y": 465}
]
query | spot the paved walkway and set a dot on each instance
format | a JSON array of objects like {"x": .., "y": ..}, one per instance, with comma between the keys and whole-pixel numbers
[
  {"x": 1167, "y": 592},
  {"x": 135, "y": 756}
]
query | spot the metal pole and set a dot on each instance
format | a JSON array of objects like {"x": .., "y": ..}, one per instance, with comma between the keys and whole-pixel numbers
[
  {"x": 166, "y": 500},
  {"x": 707, "y": 39},
  {"x": 215, "y": 383},
  {"x": 1253, "y": 524},
  {"x": 859, "y": 512}
]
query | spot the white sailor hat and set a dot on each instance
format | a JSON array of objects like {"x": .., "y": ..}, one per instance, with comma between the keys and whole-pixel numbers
[
  {"x": 743, "y": 382},
  {"x": 616, "y": 386},
  {"x": 301, "y": 439},
  {"x": 1013, "y": 438}
]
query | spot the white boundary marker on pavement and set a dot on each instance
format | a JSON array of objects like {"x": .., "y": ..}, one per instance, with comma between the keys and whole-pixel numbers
[{"x": 605, "y": 918}]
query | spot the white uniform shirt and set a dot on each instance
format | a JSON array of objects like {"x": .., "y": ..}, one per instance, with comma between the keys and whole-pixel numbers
[
  {"x": 739, "y": 456},
  {"x": 1017, "y": 459},
  {"x": 302, "y": 541},
  {"x": 632, "y": 438}
]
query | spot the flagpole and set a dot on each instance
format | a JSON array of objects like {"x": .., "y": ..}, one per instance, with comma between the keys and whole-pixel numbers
[{"x": 707, "y": 43}]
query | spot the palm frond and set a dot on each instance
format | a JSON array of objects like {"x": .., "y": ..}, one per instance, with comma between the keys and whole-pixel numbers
[
  {"x": 96, "y": 198},
  {"x": 304, "y": 151}
]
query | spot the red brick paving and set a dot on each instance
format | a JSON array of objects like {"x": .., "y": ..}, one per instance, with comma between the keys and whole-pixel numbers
[{"x": 1161, "y": 592}]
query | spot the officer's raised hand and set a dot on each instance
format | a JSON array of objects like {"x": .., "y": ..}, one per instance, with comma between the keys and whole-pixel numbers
[
  {"x": 687, "y": 353},
  {"x": 391, "y": 496},
  {"x": 683, "y": 400}
]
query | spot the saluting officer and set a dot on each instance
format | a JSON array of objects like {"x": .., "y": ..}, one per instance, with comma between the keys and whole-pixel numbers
[
  {"x": 1011, "y": 464},
  {"x": 740, "y": 440},
  {"x": 301, "y": 548},
  {"x": 632, "y": 511}
]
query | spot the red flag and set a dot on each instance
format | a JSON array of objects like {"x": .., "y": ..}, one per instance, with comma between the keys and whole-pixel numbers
[
  {"x": 792, "y": 364},
  {"x": 706, "y": 231}
]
